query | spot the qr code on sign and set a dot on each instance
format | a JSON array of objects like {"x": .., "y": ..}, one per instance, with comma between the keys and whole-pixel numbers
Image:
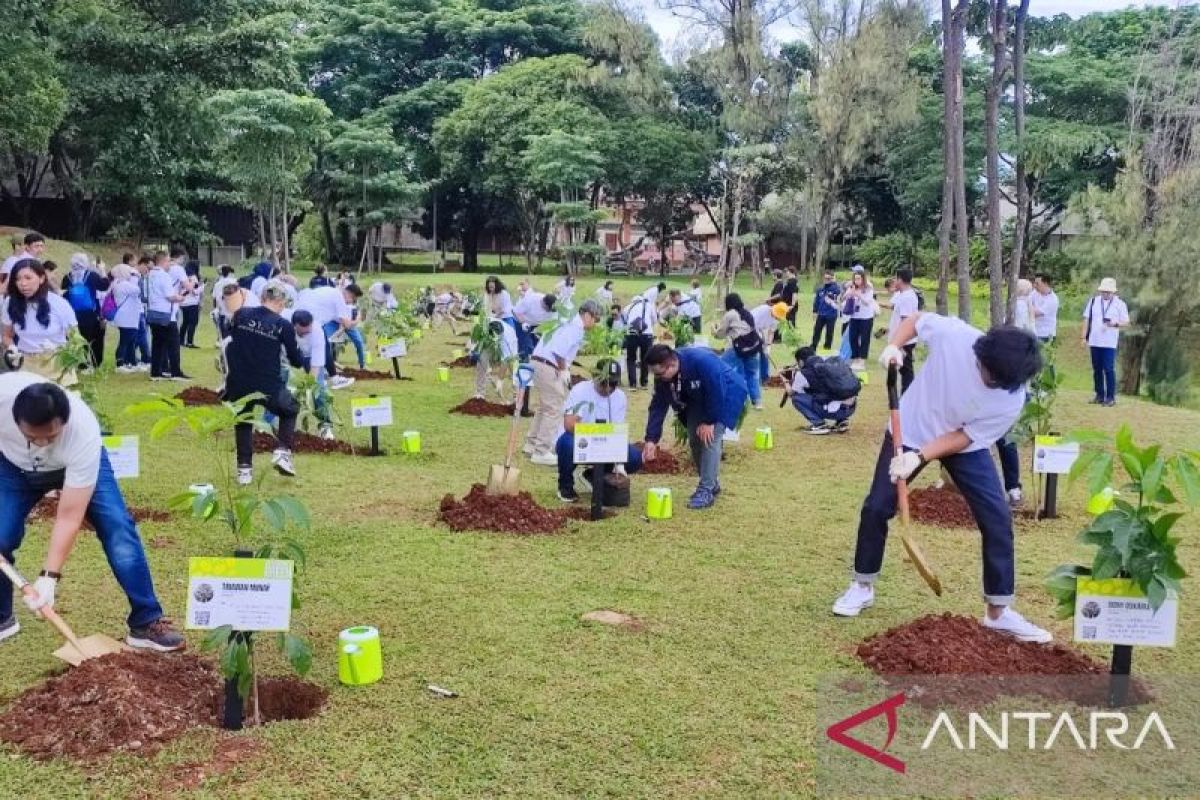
[
  {"x": 1088, "y": 632},
  {"x": 201, "y": 617}
]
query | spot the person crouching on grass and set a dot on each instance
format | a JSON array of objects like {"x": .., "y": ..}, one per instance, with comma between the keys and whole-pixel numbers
[
  {"x": 708, "y": 395},
  {"x": 967, "y": 395},
  {"x": 597, "y": 400}
]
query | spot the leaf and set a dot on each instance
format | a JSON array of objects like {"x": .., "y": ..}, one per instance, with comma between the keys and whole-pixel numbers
[
  {"x": 1107, "y": 563},
  {"x": 1149, "y": 455},
  {"x": 273, "y": 514},
  {"x": 296, "y": 509},
  {"x": 1132, "y": 464},
  {"x": 1162, "y": 526},
  {"x": 163, "y": 426},
  {"x": 1124, "y": 439},
  {"x": 1152, "y": 480},
  {"x": 1156, "y": 592},
  {"x": 298, "y": 654},
  {"x": 291, "y": 549},
  {"x": 182, "y": 501},
  {"x": 1088, "y": 437},
  {"x": 245, "y": 682},
  {"x": 1189, "y": 479},
  {"x": 1124, "y": 533},
  {"x": 216, "y": 638},
  {"x": 1099, "y": 475},
  {"x": 229, "y": 658},
  {"x": 204, "y": 505},
  {"x": 264, "y": 551}
]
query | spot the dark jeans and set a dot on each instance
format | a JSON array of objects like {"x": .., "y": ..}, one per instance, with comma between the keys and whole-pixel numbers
[
  {"x": 565, "y": 449},
  {"x": 860, "y": 337},
  {"x": 143, "y": 341},
  {"x": 815, "y": 412},
  {"x": 975, "y": 476},
  {"x": 285, "y": 409},
  {"x": 164, "y": 350},
  {"x": 906, "y": 369},
  {"x": 707, "y": 458},
  {"x": 1104, "y": 372},
  {"x": 127, "y": 347},
  {"x": 91, "y": 327},
  {"x": 115, "y": 528},
  {"x": 697, "y": 324},
  {"x": 330, "y": 329},
  {"x": 636, "y": 347},
  {"x": 827, "y": 325},
  {"x": 1010, "y": 463},
  {"x": 191, "y": 319}
]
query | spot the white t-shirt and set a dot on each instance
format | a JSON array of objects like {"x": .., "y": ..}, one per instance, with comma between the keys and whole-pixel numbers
[
  {"x": 162, "y": 287},
  {"x": 218, "y": 290},
  {"x": 77, "y": 449},
  {"x": 904, "y": 305},
  {"x": 604, "y": 297},
  {"x": 1023, "y": 314},
  {"x": 34, "y": 337},
  {"x": 587, "y": 404},
  {"x": 696, "y": 293},
  {"x": 1099, "y": 310},
  {"x": 866, "y": 304},
  {"x": 563, "y": 343},
  {"x": 193, "y": 299},
  {"x": 500, "y": 305},
  {"x": 508, "y": 342},
  {"x": 764, "y": 321},
  {"x": 313, "y": 346},
  {"x": 564, "y": 292},
  {"x": 325, "y": 303},
  {"x": 127, "y": 295},
  {"x": 948, "y": 393},
  {"x": 651, "y": 294},
  {"x": 256, "y": 285},
  {"x": 1045, "y": 314},
  {"x": 689, "y": 307},
  {"x": 529, "y": 309},
  {"x": 641, "y": 308}
]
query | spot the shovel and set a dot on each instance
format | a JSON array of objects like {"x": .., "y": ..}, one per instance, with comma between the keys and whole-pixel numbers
[
  {"x": 505, "y": 478},
  {"x": 911, "y": 546},
  {"x": 77, "y": 650}
]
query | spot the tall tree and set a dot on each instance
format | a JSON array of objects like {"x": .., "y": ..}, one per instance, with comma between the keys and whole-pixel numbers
[
  {"x": 1021, "y": 177},
  {"x": 998, "y": 31}
]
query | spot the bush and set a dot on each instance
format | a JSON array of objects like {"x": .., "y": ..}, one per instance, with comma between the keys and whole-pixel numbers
[
  {"x": 883, "y": 255},
  {"x": 309, "y": 242},
  {"x": 1168, "y": 374},
  {"x": 1058, "y": 264}
]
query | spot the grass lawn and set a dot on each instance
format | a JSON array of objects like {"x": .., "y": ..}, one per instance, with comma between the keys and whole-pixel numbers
[{"x": 715, "y": 699}]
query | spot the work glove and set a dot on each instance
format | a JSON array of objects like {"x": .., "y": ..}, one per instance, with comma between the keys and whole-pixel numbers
[
  {"x": 891, "y": 355},
  {"x": 904, "y": 465},
  {"x": 44, "y": 586},
  {"x": 13, "y": 357}
]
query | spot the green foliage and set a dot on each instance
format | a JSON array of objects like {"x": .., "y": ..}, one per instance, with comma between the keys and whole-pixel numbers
[
  {"x": 75, "y": 359},
  {"x": 680, "y": 328},
  {"x": 1168, "y": 370},
  {"x": 883, "y": 255},
  {"x": 793, "y": 339},
  {"x": 601, "y": 340},
  {"x": 309, "y": 243},
  {"x": 483, "y": 339},
  {"x": 316, "y": 406},
  {"x": 1037, "y": 415},
  {"x": 1132, "y": 540}
]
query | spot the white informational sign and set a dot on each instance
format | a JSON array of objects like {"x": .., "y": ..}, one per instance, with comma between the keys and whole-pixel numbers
[
  {"x": 371, "y": 412},
  {"x": 392, "y": 348},
  {"x": 1052, "y": 456},
  {"x": 249, "y": 594},
  {"x": 601, "y": 443},
  {"x": 123, "y": 455},
  {"x": 1115, "y": 611}
]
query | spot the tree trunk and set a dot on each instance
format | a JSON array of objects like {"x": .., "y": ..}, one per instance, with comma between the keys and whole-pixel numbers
[
  {"x": 961, "y": 222},
  {"x": 262, "y": 233},
  {"x": 331, "y": 249},
  {"x": 1024, "y": 201},
  {"x": 273, "y": 222},
  {"x": 803, "y": 246},
  {"x": 949, "y": 172},
  {"x": 287, "y": 259},
  {"x": 1132, "y": 354},
  {"x": 999, "y": 31},
  {"x": 470, "y": 240},
  {"x": 824, "y": 232}
]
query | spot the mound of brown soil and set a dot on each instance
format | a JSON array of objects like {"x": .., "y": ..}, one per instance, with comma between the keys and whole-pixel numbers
[
  {"x": 47, "y": 509},
  {"x": 482, "y": 408},
  {"x": 944, "y": 507},
  {"x": 305, "y": 443},
  {"x": 198, "y": 396},
  {"x": 368, "y": 374},
  {"x": 774, "y": 382},
  {"x": 518, "y": 513},
  {"x": 665, "y": 463},
  {"x": 462, "y": 362}
]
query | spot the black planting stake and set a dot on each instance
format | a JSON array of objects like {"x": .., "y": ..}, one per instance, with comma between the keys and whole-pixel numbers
[
  {"x": 1118, "y": 680},
  {"x": 396, "y": 366},
  {"x": 598, "y": 488},
  {"x": 234, "y": 712}
]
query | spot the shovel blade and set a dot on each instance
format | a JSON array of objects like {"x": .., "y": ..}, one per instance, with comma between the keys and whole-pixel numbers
[
  {"x": 502, "y": 480},
  {"x": 923, "y": 567},
  {"x": 92, "y": 646}
]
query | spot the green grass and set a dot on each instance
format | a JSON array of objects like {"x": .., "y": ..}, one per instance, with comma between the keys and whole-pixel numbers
[{"x": 716, "y": 699}]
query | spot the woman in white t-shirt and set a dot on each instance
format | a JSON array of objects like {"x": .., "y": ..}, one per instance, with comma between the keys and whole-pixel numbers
[
  {"x": 858, "y": 303},
  {"x": 37, "y": 322},
  {"x": 565, "y": 291},
  {"x": 189, "y": 306},
  {"x": 499, "y": 303},
  {"x": 127, "y": 295}
]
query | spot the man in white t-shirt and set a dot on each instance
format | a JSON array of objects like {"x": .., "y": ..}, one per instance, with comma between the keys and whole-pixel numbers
[
  {"x": 904, "y": 305},
  {"x": 597, "y": 400},
  {"x": 1044, "y": 303},
  {"x": 332, "y": 310},
  {"x": 1103, "y": 318},
  {"x": 687, "y": 306},
  {"x": 310, "y": 341},
  {"x": 532, "y": 310},
  {"x": 967, "y": 395},
  {"x": 50, "y": 441},
  {"x": 641, "y": 315},
  {"x": 551, "y": 361}
]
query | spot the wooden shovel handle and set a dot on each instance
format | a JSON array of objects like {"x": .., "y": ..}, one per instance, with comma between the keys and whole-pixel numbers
[
  {"x": 897, "y": 439},
  {"x": 512, "y": 428},
  {"x": 47, "y": 613}
]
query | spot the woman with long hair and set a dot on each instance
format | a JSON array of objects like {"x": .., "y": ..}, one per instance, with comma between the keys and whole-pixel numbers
[
  {"x": 858, "y": 303},
  {"x": 37, "y": 322},
  {"x": 499, "y": 303}
]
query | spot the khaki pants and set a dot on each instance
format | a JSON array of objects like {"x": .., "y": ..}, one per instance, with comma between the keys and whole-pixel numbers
[{"x": 551, "y": 397}]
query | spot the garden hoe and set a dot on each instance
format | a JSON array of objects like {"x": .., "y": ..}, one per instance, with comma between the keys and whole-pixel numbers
[
  {"x": 505, "y": 478},
  {"x": 77, "y": 650},
  {"x": 915, "y": 554}
]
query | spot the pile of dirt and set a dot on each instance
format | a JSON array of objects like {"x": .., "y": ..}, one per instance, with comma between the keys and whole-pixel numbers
[
  {"x": 960, "y": 651},
  {"x": 47, "y": 509},
  {"x": 198, "y": 396},
  {"x": 482, "y": 408},
  {"x": 665, "y": 463},
  {"x": 518, "y": 513},
  {"x": 462, "y": 362},
  {"x": 774, "y": 382},
  {"x": 368, "y": 374},
  {"x": 287, "y": 697},
  {"x": 305, "y": 443},
  {"x": 944, "y": 508}
]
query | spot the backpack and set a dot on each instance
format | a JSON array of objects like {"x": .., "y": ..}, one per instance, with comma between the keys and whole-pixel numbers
[
  {"x": 831, "y": 378},
  {"x": 638, "y": 325},
  {"x": 80, "y": 297},
  {"x": 920, "y": 299},
  {"x": 748, "y": 344},
  {"x": 246, "y": 281},
  {"x": 109, "y": 308}
]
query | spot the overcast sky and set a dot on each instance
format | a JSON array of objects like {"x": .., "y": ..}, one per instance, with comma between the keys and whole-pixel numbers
[{"x": 671, "y": 29}]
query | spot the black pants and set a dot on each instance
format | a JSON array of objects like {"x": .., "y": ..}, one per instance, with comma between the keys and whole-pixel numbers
[
  {"x": 860, "y": 337},
  {"x": 191, "y": 319},
  {"x": 284, "y": 406},
  {"x": 825, "y": 324},
  {"x": 906, "y": 369},
  {"x": 791, "y": 315},
  {"x": 164, "y": 350},
  {"x": 697, "y": 325},
  {"x": 636, "y": 347},
  {"x": 91, "y": 327}
]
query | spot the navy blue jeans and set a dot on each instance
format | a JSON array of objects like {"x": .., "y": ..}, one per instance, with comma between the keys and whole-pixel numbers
[
  {"x": 815, "y": 412},
  {"x": 1104, "y": 372},
  {"x": 115, "y": 528},
  {"x": 143, "y": 341},
  {"x": 127, "y": 347},
  {"x": 1010, "y": 463},
  {"x": 975, "y": 475},
  {"x": 565, "y": 449}
]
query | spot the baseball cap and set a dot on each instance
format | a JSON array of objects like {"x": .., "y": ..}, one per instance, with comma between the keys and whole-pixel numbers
[{"x": 608, "y": 370}]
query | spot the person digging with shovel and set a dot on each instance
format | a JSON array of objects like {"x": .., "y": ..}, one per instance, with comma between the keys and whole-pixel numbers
[
  {"x": 967, "y": 395},
  {"x": 50, "y": 441},
  {"x": 597, "y": 400}
]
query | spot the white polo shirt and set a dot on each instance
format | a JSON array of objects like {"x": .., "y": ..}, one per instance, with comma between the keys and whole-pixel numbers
[
  {"x": 77, "y": 449},
  {"x": 313, "y": 346},
  {"x": 904, "y": 305},
  {"x": 563, "y": 343},
  {"x": 1097, "y": 310},
  {"x": 1045, "y": 317}
]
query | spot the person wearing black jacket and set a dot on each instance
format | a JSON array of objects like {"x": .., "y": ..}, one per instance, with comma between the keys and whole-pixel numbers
[{"x": 258, "y": 337}]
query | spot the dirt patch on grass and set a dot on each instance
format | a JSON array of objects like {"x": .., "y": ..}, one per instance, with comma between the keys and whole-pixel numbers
[
  {"x": 665, "y": 463},
  {"x": 47, "y": 509},
  {"x": 229, "y": 753},
  {"x": 944, "y": 508},
  {"x": 369, "y": 374},
  {"x": 615, "y": 619},
  {"x": 462, "y": 362},
  {"x": 305, "y": 443},
  {"x": 518, "y": 513},
  {"x": 583, "y": 513},
  {"x": 198, "y": 396},
  {"x": 774, "y": 382},
  {"x": 482, "y": 408}
]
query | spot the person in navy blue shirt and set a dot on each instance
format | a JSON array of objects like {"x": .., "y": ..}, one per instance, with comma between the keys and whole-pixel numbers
[
  {"x": 826, "y": 310},
  {"x": 705, "y": 393}
]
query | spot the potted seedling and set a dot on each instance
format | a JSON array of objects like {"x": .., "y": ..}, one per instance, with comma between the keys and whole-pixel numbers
[{"x": 258, "y": 525}]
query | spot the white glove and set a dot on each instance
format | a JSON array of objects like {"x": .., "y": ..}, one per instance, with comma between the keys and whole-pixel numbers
[
  {"x": 891, "y": 355},
  {"x": 44, "y": 586},
  {"x": 904, "y": 465},
  {"x": 13, "y": 357}
]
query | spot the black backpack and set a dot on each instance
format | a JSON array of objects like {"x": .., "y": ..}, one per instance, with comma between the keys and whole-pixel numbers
[
  {"x": 247, "y": 281},
  {"x": 831, "y": 378},
  {"x": 638, "y": 325},
  {"x": 748, "y": 344},
  {"x": 920, "y": 299}
]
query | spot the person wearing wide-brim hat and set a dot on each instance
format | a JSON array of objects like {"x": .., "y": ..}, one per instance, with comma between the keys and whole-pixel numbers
[{"x": 1103, "y": 318}]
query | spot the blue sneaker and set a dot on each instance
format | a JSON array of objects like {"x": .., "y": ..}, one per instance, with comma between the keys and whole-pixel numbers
[{"x": 701, "y": 499}]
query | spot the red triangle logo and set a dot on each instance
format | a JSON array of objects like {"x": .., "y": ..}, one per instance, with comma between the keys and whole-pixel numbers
[{"x": 837, "y": 732}]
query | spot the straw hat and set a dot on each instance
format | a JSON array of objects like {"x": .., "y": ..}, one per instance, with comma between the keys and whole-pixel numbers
[{"x": 1108, "y": 285}]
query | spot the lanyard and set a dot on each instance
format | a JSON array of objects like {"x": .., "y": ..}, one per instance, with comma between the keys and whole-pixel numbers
[{"x": 1104, "y": 307}]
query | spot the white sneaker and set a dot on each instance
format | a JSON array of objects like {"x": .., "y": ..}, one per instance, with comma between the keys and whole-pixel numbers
[
  {"x": 125, "y": 369},
  {"x": 340, "y": 382},
  {"x": 527, "y": 449},
  {"x": 856, "y": 598},
  {"x": 282, "y": 460},
  {"x": 1010, "y": 623},
  {"x": 326, "y": 433},
  {"x": 544, "y": 459},
  {"x": 143, "y": 367},
  {"x": 1015, "y": 497},
  {"x": 245, "y": 476},
  {"x": 758, "y": 406}
]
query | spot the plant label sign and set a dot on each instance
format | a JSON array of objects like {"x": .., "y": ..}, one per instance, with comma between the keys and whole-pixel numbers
[
  {"x": 249, "y": 594},
  {"x": 392, "y": 348},
  {"x": 371, "y": 412},
  {"x": 1051, "y": 456},
  {"x": 1115, "y": 611},
  {"x": 601, "y": 443},
  {"x": 123, "y": 455}
]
